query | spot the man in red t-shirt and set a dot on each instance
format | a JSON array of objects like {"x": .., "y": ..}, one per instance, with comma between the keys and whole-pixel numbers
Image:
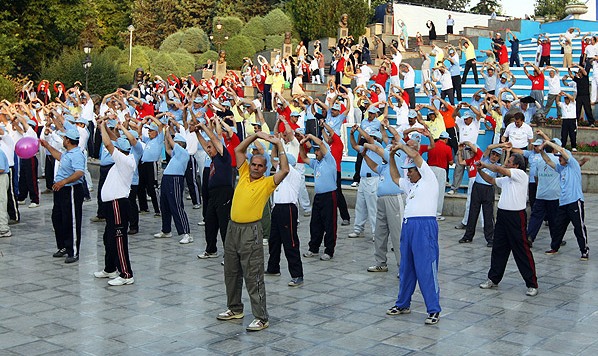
[
  {"x": 537, "y": 80},
  {"x": 440, "y": 156},
  {"x": 545, "y": 56},
  {"x": 336, "y": 149},
  {"x": 231, "y": 141},
  {"x": 381, "y": 77}
]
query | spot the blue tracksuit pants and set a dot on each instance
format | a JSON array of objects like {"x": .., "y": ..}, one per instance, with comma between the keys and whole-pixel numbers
[{"x": 419, "y": 262}]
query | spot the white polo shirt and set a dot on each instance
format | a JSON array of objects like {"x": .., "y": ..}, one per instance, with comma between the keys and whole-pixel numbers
[
  {"x": 513, "y": 196},
  {"x": 409, "y": 79},
  {"x": 519, "y": 136},
  {"x": 468, "y": 133},
  {"x": 554, "y": 84},
  {"x": 422, "y": 197},
  {"x": 568, "y": 111},
  {"x": 287, "y": 192},
  {"x": 120, "y": 176}
]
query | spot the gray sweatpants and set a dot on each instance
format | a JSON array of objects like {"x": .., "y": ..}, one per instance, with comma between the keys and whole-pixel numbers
[
  {"x": 389, "y": 219},
  {"x": 244, "y": 259}
]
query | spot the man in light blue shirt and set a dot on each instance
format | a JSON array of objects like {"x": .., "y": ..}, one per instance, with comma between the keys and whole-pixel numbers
[
  {"x": 148, "y": 168},
  {"x": 571, "y": 201},
  {"x": 322, "y": 225},
  {"x": 365, "y": 205},
  {"x": 548, "y": 192}
]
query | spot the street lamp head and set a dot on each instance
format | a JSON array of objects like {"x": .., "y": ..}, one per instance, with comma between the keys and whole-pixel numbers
[
  {"x": 87, "y": 63},
  {"x": 131, "y": 28},
  {"x": 211, "y": 37},
  {"x": 225, "y": 37},
  {"x": 87, "y": 48},
  {"x": 218, "y": 25}
]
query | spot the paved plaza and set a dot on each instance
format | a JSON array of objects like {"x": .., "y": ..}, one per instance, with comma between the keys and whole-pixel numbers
[{"x": 48, "y": 307}]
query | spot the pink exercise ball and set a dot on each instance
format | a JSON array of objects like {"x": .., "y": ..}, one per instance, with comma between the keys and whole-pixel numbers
[{"x": 27, "y": 147}]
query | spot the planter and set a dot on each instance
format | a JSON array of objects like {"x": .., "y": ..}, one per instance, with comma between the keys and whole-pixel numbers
[{"x": 576, "y": 9}]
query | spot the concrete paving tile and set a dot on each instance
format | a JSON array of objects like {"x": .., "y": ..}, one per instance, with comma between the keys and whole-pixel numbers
[{"x": 37, "y": 347}]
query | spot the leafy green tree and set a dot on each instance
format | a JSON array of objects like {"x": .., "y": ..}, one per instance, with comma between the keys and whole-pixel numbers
[
  {"x": 274, "y": 41},
  {"x": 110, "y": 20},
  {"x": 487, "y": 7},
  {"x": 195, "y": 40},
  {"x": 198, "y": 13},
  {"x": 551, "y": 8},
  {"x": 236, "y": 48},
  {"x": 255, "y": 32},
  {"x": 244, "y": 9},
  {"x": 325, "y": 16},
  {"x": 184, "y": 62},
  {"x": 156, "y": 20},
  {"x": 172, "y": 42}
]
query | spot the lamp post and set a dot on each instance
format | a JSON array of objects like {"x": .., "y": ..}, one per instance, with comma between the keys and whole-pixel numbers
[
  {"x": 219, "y": 40},
  {"x": 87, "y": 62},
  {"x": 131, "y": 28}
]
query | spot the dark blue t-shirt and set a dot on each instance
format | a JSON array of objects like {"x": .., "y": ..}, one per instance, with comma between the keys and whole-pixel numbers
[
  {"x": 221, "y": 170},
  {"x": 514, "y": 46}
]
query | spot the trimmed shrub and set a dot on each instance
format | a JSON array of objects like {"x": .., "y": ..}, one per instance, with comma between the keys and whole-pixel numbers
[
  {"x": 203, "y": 58},
  {"x": 274, "y": 41},
  {"x": 195, "y": 40},
  {"x": 236, "y": 48},
  {"x": 258, "y": 44},
  {"x": 68, "y": 68},
  {"x": 7, "y": 90},
  {"x": 172, "y": 42},
  {"x": 254, "y": 28},
  {"x": 162, "y": 64},
  {"x": 113, "y": 51},
  {"x": 184, "y": 63},
  {"x": 231, "y": 26},
  {"x": 139, "y": 59},
  {"x": 276, "y": 22}
]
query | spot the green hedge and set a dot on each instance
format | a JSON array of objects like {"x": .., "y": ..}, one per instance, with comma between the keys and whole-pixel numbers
[
  {"x": 195, "y": 40},
  {"x": 139, "y": 59},
  {"x": 236, "y": 48},
  {"x": 162, "y": 64},
  {"x": 172, "y": 42},
  {"x": 184, "y": 63},
  {"x": 274, "y": 41},
  {"x": 7, "y": 90},
  {"x": 231, "y": 26}
]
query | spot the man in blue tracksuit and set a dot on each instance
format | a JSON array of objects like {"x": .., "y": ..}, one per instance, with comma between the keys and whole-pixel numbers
[
  {"x": 172, "y": 189},
  {"x": 419, "y": 235}
]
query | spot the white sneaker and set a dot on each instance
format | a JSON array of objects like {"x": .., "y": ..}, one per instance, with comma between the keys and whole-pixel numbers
[
  {"x": 355, "y": 184},
  {"x": 201, "y": 223},
  {"x": 197, "y": 206},
  {"x": 33, "y": 205},
  {"x": 532, "y": 292},
  {"x": 119, "y": 281},
  {"x": 104, "y": 274},
  {"x": 162, "y": 235},
  {"x": 354, "y": 235},
  {"x": 488, "y": 284},
  {"x": 325, "y": 257},
  {"x": 265, "y": 242},
  {"x": 573, "y": 150},
  {"x": 186, "y": 239},
  {"x": 6, "y": 233},
  {"x": 440, "y": 218},
  {"x": 450, "y": 192},
  {"x": 309, "y": 254},
  {"x": 207, "y": 255},
  {"x": 188, "y": 197},
  {"x": 307, "y": 213}
]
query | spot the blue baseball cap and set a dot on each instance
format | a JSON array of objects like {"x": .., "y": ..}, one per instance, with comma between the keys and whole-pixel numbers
[
  {"x": 373, "y": 110},
  {"x": 69, "y": 118},
  {"x": 497, "y": 150},
  {"x": 412, "y": 114},
  {"x": 557, "y": 141},
  {"x": 198, "y": 100},
  {"x": 467, "y": 115},
  {"x": 295, "y": 113},
  {"x": 81, "y": 120},
  {"x": 134, "y": 133},
  {"x": 111, "y": 124},
  {"x": 538, "y": 142},
  {"x": 73, "y": 134},
  {"x": 179, "y": 138},
  {"x": 444, "y": 134},
  {"x": 376, "y": 134},
  {"x": 123, "y": 144},
  {"x": 336, "y": 106},
  {"x": 153, "y": 127}
]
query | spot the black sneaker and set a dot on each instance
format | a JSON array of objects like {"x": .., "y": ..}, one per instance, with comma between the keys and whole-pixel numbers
[
  {"x": 585, "y": 256},
  {"x": 396, "y": 310},
  {"x": 60, "y": 253},
  {"x": 267, "y": 273},
  {"x": 563, "y": 243},
  {"x": 432, "y": 319},
  {"x": 70, "y": 259},
  {"x": 465, "y": 241},
  {"x": 132, "y": 231},
  {"x": 490, "y": 244}
]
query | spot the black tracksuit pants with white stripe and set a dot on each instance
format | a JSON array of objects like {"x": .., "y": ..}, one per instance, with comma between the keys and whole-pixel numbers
[
  {"x": 171, "y": 204},
  {"x": 103, "y": 174},
  {"x": 510, "y": 235},
  {"x": 66, "y": 218},
  {"x": 573, "y": 213},
  {"x": 283, "y": 231},
  {"x": 148, "y": 184},
  {"x": 13, "y": 204},
  {"x": 133, "y": 208},
  {"x": 28, "y": 179},
  {"x": 116, "y": 240},
  {"x": 191, "y": 178}
]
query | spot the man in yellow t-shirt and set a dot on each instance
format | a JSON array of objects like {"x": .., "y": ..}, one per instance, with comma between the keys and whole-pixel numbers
[{"x": 243, "y": 249}]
